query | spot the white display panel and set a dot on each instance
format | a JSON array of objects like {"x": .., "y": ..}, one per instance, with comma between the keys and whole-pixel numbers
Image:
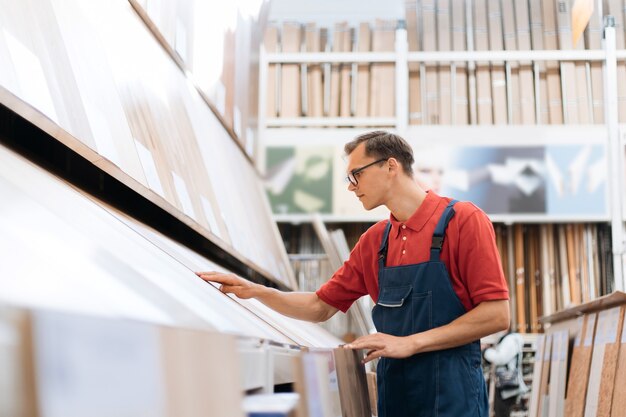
[
  {"x": 141, "y": 118},
  {"x": 62, "y": 251},
  {"x": 304, "y": 333}
]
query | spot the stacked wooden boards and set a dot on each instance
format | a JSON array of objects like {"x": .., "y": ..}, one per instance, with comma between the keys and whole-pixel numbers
[
  {"x": 458, "y": 93},
  {"x": 549, "y": 267},
  {"x": 331, "y": 90},
  {"x": 69, "y": 71},
  {"x": 553, "y": 266},
  {"x": 583, "y": 351},
  {"x": 543, "y": 92}
]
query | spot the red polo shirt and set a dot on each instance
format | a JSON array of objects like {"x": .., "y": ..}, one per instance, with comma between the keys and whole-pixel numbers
[{"x": 469, "y": 253}]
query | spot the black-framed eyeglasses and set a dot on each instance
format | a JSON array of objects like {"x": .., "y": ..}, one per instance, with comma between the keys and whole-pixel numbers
[{"x": 351, "y": 177}]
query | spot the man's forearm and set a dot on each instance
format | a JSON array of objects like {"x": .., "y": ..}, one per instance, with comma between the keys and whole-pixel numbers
[
  {"x": 298, "y": 305},
  {"x": 487, "y": 318}
]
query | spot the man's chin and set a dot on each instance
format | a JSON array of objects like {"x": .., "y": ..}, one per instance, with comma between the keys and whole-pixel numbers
[{"x": 369, "y": 207}]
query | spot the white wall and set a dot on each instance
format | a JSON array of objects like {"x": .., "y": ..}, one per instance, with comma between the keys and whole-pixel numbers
[{"x": 326, "y": 12}]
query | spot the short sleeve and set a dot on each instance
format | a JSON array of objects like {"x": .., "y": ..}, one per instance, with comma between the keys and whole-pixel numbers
[
  {"x": 347, "y": 283},
  {"x": 479, "y": 261}
]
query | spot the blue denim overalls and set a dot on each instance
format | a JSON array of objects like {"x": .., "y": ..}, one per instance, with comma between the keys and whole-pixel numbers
[{"x": 413, "y": 299}]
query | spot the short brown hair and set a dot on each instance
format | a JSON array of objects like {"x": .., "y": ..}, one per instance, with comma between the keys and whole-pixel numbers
[{"x": 381, "y": 144}]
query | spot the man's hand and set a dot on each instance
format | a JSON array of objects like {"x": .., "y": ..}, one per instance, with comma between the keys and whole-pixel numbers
[
  {"x": 299, "y": 305},
  {"x": 383, "y": 345},
  {"x": 231, "y": 283}
]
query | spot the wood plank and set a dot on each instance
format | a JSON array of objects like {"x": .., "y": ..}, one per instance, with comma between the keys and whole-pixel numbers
[
  {"x": 345, "y": 95},
  {"x": 459, "y": 43},
  {"x": 547, "y": 271},
  {"x": 594, "y": 35},
  {"x": 520, "y": 279},
  {"x": 339, "y": 32},
  {"x": 580, "y": 366},
  {"x": 498, "y": 73},
  {"x": 352, "y": 383},
  {"x": 536, "y": 34},
  {"x": 483, "y": 74},
  {"x": 616, "y": 298},
  {"x": 555, "y": 251},
  {"x": 603, "y": 362},
  {"x": 564, "y": 268},
  {"x": 445, "y": 76},
  {"x": 364, "y": 42},
  {"x": 609, "y": 367},
  {"x": 553, "y": 75},
  {"x": 568, "y": 68},
  {"x": 432, "y": 76},
  {"x": 511, "y": 274},
  {"x": 544, "y": 384},
  {"x": 290, "y": 92},
  {"x": 228, "y": 78},
  {"x": 527, "y": 87},
  {"x": 313, "y": 384},
  {"x": 382, "y": 89},
  {"x": 574, "y": 277},
  {"x": 540, "y": 346},
  {"x": 530, "y": 243},
  {"x": 209, "y": 382},
  {"x": 382, "y": 100},
  {"x": 314, "y": 87},
  {"x": 373, "y": 392},
  {"x": 18, "y": 396},
  {"x": 413, "y": 19},
  {"x": 583, "y": 262},
  {"x": 558, "y": 372},
  {"x": 270, "y": 43},
  {"x": 592, "y": 251},
  {"x": 618, "y": 406},
  {"x": 149, "y": 364},
  {"x": 513, "y": 81}
]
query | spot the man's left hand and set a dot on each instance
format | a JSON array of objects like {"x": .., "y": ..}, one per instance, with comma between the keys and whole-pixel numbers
[{"x": 383, "y": 345}]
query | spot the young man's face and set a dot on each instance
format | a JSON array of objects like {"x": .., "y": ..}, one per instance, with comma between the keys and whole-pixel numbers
[{"x": 372, "y": 181}]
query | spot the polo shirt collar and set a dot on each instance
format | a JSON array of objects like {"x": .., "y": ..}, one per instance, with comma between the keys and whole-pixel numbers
[{"x": 418, "y": 220}]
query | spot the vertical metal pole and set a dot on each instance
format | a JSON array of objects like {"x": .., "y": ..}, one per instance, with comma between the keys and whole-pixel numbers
[
  {"x": 471, "y": 65},
  {"x": 536, "y": 78},
  {"x": 614, "y": 150}
]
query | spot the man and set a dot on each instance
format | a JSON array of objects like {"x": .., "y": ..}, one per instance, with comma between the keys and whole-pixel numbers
[{"x": 433, "y": 269}]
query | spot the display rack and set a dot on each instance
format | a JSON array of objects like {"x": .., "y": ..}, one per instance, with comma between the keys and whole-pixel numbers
[{"x": 332, "y": 131}]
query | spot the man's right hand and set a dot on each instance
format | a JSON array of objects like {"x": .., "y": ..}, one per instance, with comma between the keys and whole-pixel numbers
[{"x": 231, "y": 283}]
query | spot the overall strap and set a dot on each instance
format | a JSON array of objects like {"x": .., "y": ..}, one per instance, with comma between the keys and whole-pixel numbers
[
  {"x": 382, "y": 252},
  {"x": 440, "y": 231}
]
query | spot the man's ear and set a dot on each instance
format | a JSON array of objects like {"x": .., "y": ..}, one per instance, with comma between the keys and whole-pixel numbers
[{"x": 393, "y": 164}]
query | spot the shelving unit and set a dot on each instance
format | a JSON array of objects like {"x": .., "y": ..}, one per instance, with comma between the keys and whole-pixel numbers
[{"x": 303, "y": 131}]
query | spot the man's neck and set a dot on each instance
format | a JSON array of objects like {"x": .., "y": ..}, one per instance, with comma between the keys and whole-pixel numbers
[{"x": 406, "y": 201}]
